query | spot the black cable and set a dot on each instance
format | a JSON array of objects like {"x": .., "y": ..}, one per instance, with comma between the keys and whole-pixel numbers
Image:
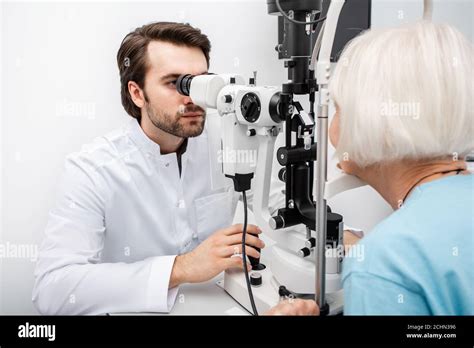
[
  {"x": 244, "y": 256},
  {"x": 295, "y": 21}
]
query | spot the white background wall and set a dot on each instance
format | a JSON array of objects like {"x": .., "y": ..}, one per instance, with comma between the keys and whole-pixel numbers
[{"x": 60, "y": 89}]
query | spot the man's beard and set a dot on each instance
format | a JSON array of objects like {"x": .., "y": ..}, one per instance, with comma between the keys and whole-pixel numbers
[{"x": 170, "y": 124}]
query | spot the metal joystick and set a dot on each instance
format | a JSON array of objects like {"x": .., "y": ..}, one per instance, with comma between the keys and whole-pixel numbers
[{"x": 255, "y": 262}]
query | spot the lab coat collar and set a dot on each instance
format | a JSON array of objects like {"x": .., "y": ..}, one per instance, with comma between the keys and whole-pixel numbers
[
  {"x": 136, "y": 133},
  {"x": 139, "y": 137}
]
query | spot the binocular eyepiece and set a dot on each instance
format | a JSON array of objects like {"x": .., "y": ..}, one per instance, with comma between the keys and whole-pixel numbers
[{"x": 183, "y": 84}]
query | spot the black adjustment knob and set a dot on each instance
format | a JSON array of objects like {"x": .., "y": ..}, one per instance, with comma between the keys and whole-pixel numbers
[
  {"x": 282, "y": 174},
  {"x": 277, "y": 222},
  {"x": 232, "y": 80},
  {"x": 282, "y": 156},
  {"x": 250, "y": 107},
  {"x": 311, "y": 243},
  {"x": 255, "y": 279},
  {"x": 289, "y": 63},
  {"x": 251, "y": 132},
  {"x": 227, "y": 98},
  {"x": 304, "y": 252},
  {"x": 251, "y": 81}
]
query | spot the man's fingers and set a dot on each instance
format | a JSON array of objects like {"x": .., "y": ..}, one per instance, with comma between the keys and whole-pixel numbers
[
  {"x": 307, "y": 307},
  {"x": 237, "y": 250},
  {"x": 238, "y": 228},
  {"x": 249, "y": 240},
  {"x": 236, "y": 262},
  {"x": 295, "y": 307},
  {"x": 313, "y": 308}
]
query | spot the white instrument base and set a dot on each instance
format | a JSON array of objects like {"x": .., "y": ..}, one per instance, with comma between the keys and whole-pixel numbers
[{"x": 266, "y": 295}]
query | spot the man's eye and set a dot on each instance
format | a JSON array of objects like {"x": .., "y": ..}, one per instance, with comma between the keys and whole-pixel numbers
[{"x": 172, "y": 83}]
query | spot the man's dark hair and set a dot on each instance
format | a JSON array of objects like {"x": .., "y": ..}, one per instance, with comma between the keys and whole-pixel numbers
[{"x": 132, "y": 54}]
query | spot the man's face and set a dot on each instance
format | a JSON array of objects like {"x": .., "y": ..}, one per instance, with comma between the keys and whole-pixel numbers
[{"x": 168, "y": 110}]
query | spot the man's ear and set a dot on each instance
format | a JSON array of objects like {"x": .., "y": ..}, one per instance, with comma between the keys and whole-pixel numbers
[{"x": 136, "y": 93}]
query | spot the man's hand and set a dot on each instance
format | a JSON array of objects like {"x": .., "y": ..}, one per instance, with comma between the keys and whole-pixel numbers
[
  {"x": 294, "y": 307},
  {"x": 214, "y": 255}
]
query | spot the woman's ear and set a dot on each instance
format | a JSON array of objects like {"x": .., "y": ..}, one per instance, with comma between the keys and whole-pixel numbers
[
  {"x": 334, "y": 129},
  {"x": 136, "y": 93}
]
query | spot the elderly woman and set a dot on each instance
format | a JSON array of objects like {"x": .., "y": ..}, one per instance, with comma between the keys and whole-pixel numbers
[{"x": 403, "y": 123}]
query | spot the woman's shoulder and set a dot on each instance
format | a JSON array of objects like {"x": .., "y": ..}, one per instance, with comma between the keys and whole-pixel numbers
[
  {"x": 421, "y": 237},
  {"x": 431, "y": 211}
]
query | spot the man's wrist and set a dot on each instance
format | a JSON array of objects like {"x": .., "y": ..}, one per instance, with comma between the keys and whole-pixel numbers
[{"x": 178, "y": 274}]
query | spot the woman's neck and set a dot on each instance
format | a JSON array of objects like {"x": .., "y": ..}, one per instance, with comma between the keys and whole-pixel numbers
[{"x": 394, "y": 181}]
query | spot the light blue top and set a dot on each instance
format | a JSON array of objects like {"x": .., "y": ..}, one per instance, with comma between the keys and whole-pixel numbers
[{"x": 419, "y": 260}]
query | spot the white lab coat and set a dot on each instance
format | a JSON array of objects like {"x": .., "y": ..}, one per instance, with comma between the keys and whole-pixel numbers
[{"x": 122, "y": 215}]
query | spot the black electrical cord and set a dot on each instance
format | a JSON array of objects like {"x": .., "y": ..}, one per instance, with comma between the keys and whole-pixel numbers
[
  {"x": 295, "y": 21},
  {"x": 244, "y": 256}
]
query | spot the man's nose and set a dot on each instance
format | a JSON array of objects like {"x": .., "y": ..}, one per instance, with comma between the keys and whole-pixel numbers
[{"x": 187, "y": 100}]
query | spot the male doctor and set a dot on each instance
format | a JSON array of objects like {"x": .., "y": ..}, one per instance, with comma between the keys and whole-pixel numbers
[{"x": 136, "y": 214}]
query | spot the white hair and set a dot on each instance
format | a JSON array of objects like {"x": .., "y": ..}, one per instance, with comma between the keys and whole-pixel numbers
[{"x": 405, "y": 93}]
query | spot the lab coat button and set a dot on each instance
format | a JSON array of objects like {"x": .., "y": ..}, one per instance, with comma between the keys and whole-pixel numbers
[
  {"x": 180, "y": 204},
  {"x": 195, "y": 235},
  {"x": 167, "y": 164}
]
